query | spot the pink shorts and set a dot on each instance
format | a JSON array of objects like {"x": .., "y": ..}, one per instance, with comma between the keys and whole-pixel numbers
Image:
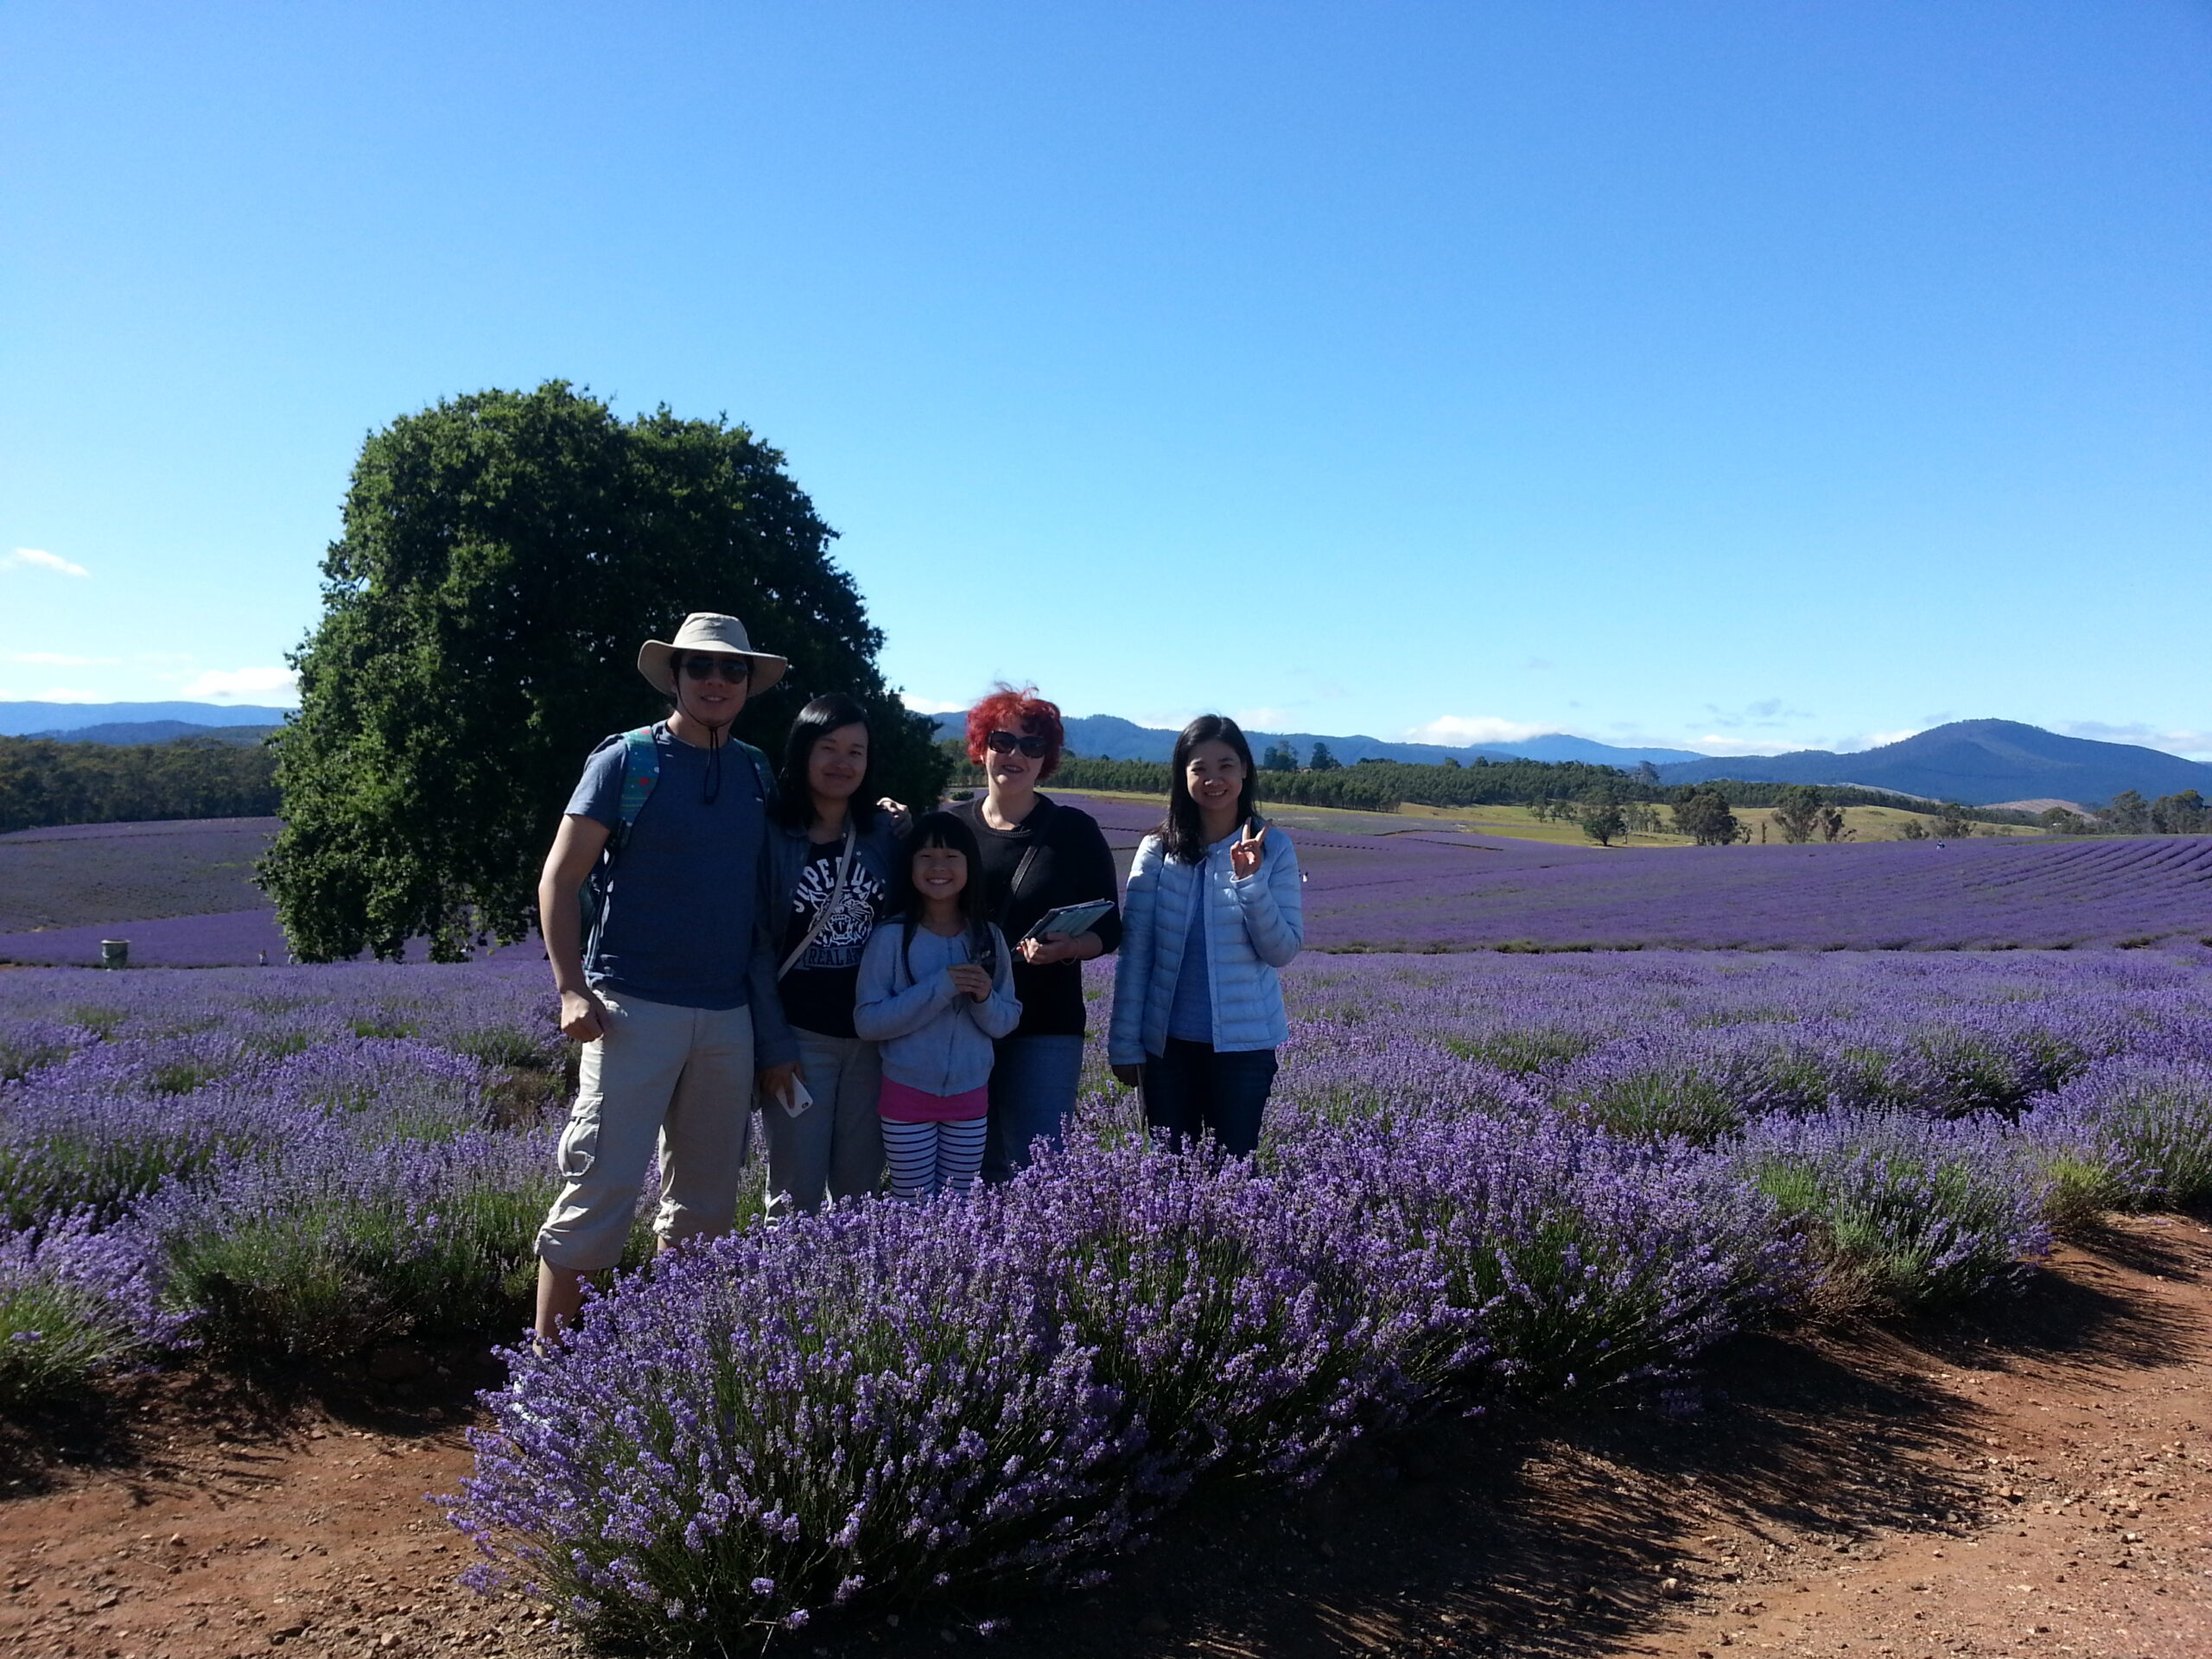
[{"x": 903, "y": 1103}]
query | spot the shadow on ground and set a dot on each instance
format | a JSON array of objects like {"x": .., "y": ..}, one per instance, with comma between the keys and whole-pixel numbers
[{"x": 1519, "y": 1535}]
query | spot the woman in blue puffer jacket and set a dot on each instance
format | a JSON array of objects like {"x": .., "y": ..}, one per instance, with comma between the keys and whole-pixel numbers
[{"x": 1214, "y": 908}]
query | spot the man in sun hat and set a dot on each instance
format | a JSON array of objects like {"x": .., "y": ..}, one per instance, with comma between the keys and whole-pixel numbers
[{"x": 662, "y": 984}]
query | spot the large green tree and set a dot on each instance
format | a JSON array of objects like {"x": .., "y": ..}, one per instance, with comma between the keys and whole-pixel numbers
[
  {"x": 503, "y": 556},
  {"x": 1798, "y": 813}
]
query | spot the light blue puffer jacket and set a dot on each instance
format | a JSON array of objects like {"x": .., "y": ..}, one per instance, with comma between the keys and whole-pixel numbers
[{"x": 1253, "y": 927}]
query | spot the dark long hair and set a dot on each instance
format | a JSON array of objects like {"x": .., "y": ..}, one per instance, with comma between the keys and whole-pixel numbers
[
  {"x": 794, "y": 799},
  {"x": 945, "y": 830},
  {"x": 1182, "y": 830}
]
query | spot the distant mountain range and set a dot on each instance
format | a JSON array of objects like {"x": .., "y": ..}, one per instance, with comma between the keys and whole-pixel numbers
[
  {"x": 1981, "y": 762},
  {"x": 1108, "y": 737},
  {"x": 64, "y": 719}
]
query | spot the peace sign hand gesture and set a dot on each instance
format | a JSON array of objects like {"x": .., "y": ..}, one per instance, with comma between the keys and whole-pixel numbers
[{"x": 1244, "y": 857}]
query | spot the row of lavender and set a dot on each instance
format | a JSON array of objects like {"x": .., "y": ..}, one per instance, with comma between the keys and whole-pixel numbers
[
  {"x": 1487, "y": 1176},
  {"x": 1473, "y": 1191},
  {"x": 1423, "y": 889},
  {"x": 294, "y": 1162}
]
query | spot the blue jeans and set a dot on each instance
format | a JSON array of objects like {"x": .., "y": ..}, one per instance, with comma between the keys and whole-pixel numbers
[
  {"x": 1034, "y": 1081},
  {"x": 1195, "y": 1087}
]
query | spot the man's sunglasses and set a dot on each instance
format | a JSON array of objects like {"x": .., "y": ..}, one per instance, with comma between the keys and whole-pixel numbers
[
  {"x": 735, "y": 670},
  {"x": 1007, "y": 742}
]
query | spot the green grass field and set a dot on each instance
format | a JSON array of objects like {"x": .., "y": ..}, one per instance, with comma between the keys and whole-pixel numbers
[{"x": 1866, "y": 823}]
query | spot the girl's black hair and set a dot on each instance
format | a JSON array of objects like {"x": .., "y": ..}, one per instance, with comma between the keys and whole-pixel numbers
[
  {"x": 945, "y": 830},
  {"x": 794, "y": 799},
  {"x": 1181, "y": 829}
]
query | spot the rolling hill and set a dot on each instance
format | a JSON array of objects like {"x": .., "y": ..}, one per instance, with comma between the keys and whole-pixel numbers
[
  {"x": 1979, "y": 762},
  {"x": 53, "y": 719}
]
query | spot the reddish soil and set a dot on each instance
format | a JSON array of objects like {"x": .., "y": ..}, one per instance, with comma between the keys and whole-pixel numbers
[{"x": 2031, "y": 1477}]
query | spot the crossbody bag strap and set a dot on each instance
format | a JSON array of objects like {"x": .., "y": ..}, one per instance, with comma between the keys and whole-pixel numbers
[
  {"x": 1028, "y": 857},
  {"x": 822, "y": 913}
]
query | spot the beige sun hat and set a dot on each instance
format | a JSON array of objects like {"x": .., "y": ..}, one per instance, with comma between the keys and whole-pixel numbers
[{"x": 705, "y": 631}]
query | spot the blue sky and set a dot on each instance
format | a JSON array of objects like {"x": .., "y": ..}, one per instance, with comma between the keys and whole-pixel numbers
[{"x": 1732, "y": 376}]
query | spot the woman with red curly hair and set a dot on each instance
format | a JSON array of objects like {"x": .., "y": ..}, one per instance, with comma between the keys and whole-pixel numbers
[{"x": 1037, "y": 856}]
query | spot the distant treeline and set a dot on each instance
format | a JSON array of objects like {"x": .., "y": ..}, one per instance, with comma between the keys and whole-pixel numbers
[
  {"x": 43, "y": 782},
  {"x": 1381, "y": 786}
]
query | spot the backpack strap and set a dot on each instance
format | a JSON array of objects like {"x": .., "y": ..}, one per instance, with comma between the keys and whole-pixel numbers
[
  {"x": 764, "y": 774},
  {"x": 641, "y": 772}
]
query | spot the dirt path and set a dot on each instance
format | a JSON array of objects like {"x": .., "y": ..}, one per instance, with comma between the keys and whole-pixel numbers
[{"x": 2035, "y": 1478}]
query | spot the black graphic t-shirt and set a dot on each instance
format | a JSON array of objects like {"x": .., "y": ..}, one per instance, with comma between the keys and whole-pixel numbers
[{"x": 819, "y": 989}]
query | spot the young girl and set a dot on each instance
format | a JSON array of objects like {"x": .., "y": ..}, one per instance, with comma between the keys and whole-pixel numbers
[
  {"x": 936, "y": 988},
  {"x": 1213, "y": 910}
]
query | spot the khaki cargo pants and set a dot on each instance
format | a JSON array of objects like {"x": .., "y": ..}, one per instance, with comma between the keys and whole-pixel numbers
[{"x": 680, "y": 1079}]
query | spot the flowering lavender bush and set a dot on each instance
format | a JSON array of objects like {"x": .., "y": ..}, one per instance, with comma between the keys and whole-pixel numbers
[
  {"x": 75, "y": 1301},
  {"x": 2143, "y": 1124},
  {"x": 1914, "y": 1211},
  {"x": 331, "y": 1244},
  {"x": 891, "y": 1397}
]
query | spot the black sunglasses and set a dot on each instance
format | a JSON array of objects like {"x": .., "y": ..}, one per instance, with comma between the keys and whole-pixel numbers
[
  {"x": 735, "y": 670},
  {"x": 1007, "y": 743}
]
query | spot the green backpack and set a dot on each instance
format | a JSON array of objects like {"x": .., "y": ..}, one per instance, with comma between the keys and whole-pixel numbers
[{"x": 641, "y": 772}]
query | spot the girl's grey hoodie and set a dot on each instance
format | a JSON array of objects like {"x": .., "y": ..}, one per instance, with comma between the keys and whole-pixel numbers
[{"x": 933, "y": 1038}]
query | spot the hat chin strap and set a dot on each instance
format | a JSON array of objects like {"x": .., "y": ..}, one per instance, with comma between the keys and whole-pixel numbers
[{"x": 690, "y": 714}]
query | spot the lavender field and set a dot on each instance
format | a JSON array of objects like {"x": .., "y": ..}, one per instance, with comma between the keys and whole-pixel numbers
[
  {"x": 1383, "y": 889},
  {"x": 1430, "y": 889},
  {"x": 1487, "y": 1177},
  {"x": 77, "y": 875}
]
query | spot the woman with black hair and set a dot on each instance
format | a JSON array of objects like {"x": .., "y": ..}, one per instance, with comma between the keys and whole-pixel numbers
[
  {"x": 831, "y": 870},
  {"x": 1213, "y": 909}
]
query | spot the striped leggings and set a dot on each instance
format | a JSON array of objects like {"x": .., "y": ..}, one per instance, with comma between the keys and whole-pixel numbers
[{"x": 927, "y": 1158}]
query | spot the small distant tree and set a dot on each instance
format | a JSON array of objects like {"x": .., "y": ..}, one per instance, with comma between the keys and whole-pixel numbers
[
  {"x": 1913, "y": 829},
  {"x": 1646, "y": 773},
  {"x": 1641, "y": 816},
  {"x": 1797, "y": 813},
  {"x": 1832, "y": 825},
  {"x": 1453, "y": 761},
  {"x": 1703, "y": 815},
  {"x": 1603, "y": 821},
  {"x": 2060, "y": 822},
  {"x": 1279, "y": 757},
  {"x": 1952, "y": 823},
  {"x": 1323, "y": 761}
]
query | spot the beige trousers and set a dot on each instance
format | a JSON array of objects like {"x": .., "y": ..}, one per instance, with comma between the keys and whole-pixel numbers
[{"x": 677, "y": 1079}]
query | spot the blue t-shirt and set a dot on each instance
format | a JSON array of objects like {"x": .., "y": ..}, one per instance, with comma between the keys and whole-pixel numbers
[
  {"x": 677, "y": 925},
  {"x": 1190, "y": 1016}
]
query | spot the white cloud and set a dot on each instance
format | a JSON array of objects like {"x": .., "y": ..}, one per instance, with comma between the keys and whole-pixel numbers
[
  {"x": 931, "y": 705},
  {"x": 1710, "y": 743},
  {"x": 1266, "y": 720},
  {"x": 1466, "y": 731},
  {"x": 57, "y": 659},
  {"x": 246, "y": 684},
  {"x": 2192, "y": 745},
  {"x": 37, "y": 558}
]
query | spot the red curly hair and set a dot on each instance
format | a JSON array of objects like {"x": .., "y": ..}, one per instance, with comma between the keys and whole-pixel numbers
[{"x": 1007, "y": 710}]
